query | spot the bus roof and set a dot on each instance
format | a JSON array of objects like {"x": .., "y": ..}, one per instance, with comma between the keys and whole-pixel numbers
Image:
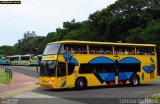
[
  {"x": 15, "y": 56},
  {"x": 19, "y": 55},
  {"x": 101, "y": 43}
]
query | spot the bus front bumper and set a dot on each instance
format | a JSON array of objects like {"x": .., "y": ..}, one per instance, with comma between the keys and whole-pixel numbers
[{"x": 46, "y": 84}]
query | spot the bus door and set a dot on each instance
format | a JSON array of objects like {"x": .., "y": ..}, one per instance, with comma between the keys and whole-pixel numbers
[{"x": 62, "y": 74}]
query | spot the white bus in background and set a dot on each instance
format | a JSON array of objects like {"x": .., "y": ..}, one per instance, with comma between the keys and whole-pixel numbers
[
  {"x": 24, "y": 60},
  {"x": 15, "y": 60}
]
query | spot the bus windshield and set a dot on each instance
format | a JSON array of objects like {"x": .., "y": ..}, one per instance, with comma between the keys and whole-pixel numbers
[
  {"x": 51, "y": 49},
  {"x": 48, "y": 68}
]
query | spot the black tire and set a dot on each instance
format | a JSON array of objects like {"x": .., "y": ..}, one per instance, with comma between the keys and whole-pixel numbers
[
  {"x": 135, "y": 81},
  {"x": 81, "y": 83}
]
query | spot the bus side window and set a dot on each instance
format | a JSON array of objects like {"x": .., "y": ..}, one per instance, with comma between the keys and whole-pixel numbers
[
  {"x": 151, "y": 51},
  {"x": 145, "y": 51},
  {"x": 124, "y": 50},
  {"x": 82, "y": 50},
  {"x": 119, "y": 51},
  {"x": 133, "y": 52},
  {"x": 92, "y": 51},
  {"x": 72, "y": 51},
  {"x": 107, "y": 52},
  {"x": 63, "y": 50},
  {"x": 138, "y": 52},
  {"x": 79, "y": 51},
  {"x": 76, "y": 48},
  {"x": 100, "y": 49}
]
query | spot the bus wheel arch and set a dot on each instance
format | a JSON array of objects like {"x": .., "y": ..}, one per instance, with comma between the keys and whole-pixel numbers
[
  {"x": 135, "y": 80},
  {"x": 81, "y": 83}
]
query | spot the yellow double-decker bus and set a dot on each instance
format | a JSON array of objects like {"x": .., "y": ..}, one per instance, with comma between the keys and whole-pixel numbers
[{"x": 80, "y": 64}]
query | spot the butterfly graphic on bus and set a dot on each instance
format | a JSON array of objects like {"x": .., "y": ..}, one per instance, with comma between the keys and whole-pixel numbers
[
  {"x": 151, "y": 67},
  {"x": 110, "y": 76}
]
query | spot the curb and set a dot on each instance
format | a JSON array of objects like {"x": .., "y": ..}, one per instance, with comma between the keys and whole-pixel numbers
[{"x": 17, "y": 91}]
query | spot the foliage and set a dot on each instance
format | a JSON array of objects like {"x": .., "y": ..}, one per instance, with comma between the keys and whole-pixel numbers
[
  {"x": 6, "y": 50},
  {"x": 29, "y": 44}
]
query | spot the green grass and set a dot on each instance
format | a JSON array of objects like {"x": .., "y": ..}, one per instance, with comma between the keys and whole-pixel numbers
[
  {"x": 4, "y": 78},
  {"x": 156, "y": 97}
]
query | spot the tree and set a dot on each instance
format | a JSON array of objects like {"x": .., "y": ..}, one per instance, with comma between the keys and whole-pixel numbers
[
  {"x": 6, "y": 50},
  {"x": 28, "y": 44}
]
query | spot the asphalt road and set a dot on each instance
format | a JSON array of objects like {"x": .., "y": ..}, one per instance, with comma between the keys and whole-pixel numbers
[
  {"x": 27, "y": 70},
  {"x": 110, "y": 94}
]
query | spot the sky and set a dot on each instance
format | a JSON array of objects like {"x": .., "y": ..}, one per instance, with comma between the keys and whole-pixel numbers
[{"x": 43, "y": 16}]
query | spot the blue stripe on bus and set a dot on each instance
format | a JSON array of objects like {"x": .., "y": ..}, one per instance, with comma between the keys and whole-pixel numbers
[
  {"x": 67, "y": 56},
  {"x": 129, "y": 60},
  {"x": 74, "y": 61},
  {"x": 102, "y": 60}
]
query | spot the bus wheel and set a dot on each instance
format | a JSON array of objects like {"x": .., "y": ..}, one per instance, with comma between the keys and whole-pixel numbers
[
  {"x": 135, "y": 81},
  {"x": 81, "y": 83}
]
